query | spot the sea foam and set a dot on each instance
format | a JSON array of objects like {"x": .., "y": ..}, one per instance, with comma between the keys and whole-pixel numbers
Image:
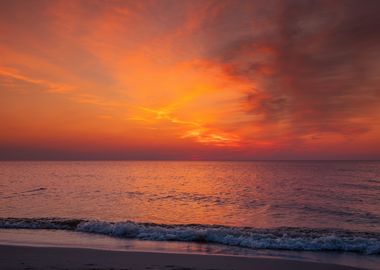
[{"x": 275, "y": 238}]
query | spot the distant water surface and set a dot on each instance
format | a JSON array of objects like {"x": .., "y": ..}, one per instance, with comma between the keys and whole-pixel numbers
[{"x": 287, "y": 205}]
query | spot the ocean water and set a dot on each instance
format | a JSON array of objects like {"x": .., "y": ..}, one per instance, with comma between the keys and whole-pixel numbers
[{"x": 329, "y": 206}]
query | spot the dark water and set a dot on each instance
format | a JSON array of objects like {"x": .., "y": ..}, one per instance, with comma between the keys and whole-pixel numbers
[{"x": 330, "y": 206}]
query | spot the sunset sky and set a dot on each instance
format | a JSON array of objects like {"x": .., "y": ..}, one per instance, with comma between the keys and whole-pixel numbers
[{"x": 229, "y": 80}]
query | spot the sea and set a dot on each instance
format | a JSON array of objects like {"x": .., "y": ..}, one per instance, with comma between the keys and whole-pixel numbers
[{"x": 309, "y": 210}]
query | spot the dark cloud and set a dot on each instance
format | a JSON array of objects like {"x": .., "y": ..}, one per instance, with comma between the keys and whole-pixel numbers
[{"x": 316, "y": 67}]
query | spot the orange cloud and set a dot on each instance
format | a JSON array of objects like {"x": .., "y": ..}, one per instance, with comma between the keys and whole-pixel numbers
[
  {"x": 48, "y": 86},
  {"x": 215, "y": 79}
]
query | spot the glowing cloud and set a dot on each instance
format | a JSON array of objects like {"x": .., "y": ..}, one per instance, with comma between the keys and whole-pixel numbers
[{"x": 184, "y": 79}]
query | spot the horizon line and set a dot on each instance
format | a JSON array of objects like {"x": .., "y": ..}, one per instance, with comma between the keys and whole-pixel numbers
[{"x": 184, "y": 160}]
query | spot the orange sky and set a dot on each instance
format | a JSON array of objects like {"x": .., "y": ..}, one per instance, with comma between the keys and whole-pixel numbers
[{"x": 189, "y": 80}]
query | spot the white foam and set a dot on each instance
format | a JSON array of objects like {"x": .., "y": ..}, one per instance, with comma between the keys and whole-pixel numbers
[{"x": 278, "y": 238}]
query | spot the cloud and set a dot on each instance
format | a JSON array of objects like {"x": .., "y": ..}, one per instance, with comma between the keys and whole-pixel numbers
[
  {"x": 46, "y": 85},
  {"x": 315, "y": 70},
  {"x": 259, "y": 77},
  {"x": 213, "y": 137},
  {"x": 11, "y": 78}
]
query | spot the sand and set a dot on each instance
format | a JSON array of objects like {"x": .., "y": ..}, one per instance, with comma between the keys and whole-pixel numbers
[{"x": 26, "y": 257}]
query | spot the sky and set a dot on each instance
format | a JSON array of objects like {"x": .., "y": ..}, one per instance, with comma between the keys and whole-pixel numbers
[{"x": 189, "y": 80}]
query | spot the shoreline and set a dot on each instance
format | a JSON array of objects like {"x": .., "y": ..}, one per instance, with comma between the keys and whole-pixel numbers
[
  {"x": 29, "y": 257},
  {"x": 81, "y": 240}
]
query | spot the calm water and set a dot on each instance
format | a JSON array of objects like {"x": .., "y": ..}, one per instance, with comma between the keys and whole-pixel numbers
[{"x": 286, "y": 205}]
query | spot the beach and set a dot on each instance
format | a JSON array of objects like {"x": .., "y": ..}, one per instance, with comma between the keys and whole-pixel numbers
[
  {"x": 189, "y": 135},
  {"x": 147, "y": 212},
  {"x": 28, "y": 257}
]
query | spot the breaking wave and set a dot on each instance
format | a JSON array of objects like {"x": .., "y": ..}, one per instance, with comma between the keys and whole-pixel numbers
[{"x": 299, "y": 239}]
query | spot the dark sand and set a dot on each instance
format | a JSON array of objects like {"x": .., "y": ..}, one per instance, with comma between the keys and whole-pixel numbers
[{"x": 25, "y": 257}]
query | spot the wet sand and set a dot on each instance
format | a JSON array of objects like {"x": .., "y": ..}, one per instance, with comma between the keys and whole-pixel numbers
[{"x": 26, "y": 257}]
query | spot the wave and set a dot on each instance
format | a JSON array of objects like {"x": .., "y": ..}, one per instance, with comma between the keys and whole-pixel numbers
[
  {"x": 35, "y": 190},
  {"x": 284, "y": 238}
]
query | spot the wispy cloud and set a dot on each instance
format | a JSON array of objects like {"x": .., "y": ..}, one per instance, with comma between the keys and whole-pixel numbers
[
  {"x": 46, "y": 85},
  {"x": 283, "y": 79}
]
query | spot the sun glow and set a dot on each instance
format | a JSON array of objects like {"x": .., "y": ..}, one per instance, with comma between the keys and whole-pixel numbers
[{"x": 194, "y": 78}]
